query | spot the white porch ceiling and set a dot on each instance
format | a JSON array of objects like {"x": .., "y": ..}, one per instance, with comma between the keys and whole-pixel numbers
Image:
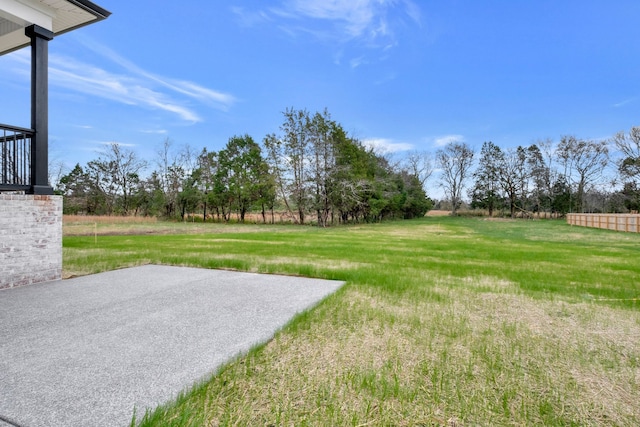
[{"x": 58, "y": 16}]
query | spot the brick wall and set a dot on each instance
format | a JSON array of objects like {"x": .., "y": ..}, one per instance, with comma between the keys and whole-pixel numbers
[{"x": 30, "y": 239}]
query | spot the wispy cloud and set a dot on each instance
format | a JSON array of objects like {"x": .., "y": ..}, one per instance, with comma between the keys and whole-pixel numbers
[
  {"x": 623, "y": 103},
  {"x": 364, "y": 19},
  {"x": 131, "y": 85},
  {"x": 354, "y": 18},
  {"x": 20, "y": 56},
  {"x": 386, "y": 146},
  {"x": 356, "y": 62},
  {"x": 365, "y": 23},
  {"x": 387, "y": 78},
  {"x": 121, "y": 144},
  {"x": 249, "y": 18},
  {"x": 368, "y": 20},
  {"x": 441, "y": 141},
  {"x": 155, "y": 131},
  {"x": 98, "y": 146},
  {"x": 208, "y": 96},
  {"x": 87, "y": 79}
]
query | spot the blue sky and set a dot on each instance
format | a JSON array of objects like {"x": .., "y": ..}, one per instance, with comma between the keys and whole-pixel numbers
[{"x": 398, "y": 74}]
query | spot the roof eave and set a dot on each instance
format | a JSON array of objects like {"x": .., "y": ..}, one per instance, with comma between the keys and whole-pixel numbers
[{"x": 98, "y": 12}]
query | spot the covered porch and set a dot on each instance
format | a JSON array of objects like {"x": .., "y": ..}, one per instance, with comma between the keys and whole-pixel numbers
[
  {"x": 24, "y": 147},
  {"x": 30, "y": 214}
]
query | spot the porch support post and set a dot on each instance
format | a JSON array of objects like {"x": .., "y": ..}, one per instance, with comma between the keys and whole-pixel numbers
[{"x": 39, "y": 109}]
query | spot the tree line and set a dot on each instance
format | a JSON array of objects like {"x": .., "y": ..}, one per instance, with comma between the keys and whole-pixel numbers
[
  {"x": 574, "y": 175},
  {"x": 312, "y": 171}
]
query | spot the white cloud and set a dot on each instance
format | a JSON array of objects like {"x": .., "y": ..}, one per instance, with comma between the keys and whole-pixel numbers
[
  {"x": 132, "y": 86},
  {"x": 155, "y": 131},
  {"x": 386, "y": 146},
  {"x": 193, "y": 90},
  {"x": 413, "y": 11},
  {"x": 370, "y": 23},
  {"x": 356, "y": 17},
  {"x": 212, "y": 97},
  {"x": 110, "y": 143},
  {"x": 441, "y": 141},
  {"x": 356, "y": 62},
  {"x": 88, "y": 79},
  {"x": 623, "y": 103},
  {"x": 22, "y": 56},
  {"x": 387, "y": 78},
  {"x": 249, "y": 18}
]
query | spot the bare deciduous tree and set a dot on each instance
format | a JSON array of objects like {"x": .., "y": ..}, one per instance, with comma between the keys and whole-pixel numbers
[
  {"x": 171, "y": 174},
  {"x": 583, "y": 162},
  {"x": 116, "y": 172},
  {"x": 455, "y": 160},
  {"x": 629, "y": 146},
  {"x": 322, "y": 131},
  {"x": 512, "y": 174},
  {"x": 296, "y": 146},
  {"x": 278, "y": 168},
  {"x": 420, "y": 165}
]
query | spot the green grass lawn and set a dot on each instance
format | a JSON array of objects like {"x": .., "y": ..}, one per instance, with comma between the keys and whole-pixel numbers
[{"x": 443, "y": 321}]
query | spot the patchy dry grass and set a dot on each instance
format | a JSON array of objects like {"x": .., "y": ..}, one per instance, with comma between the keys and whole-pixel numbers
[
  {"x": 444, "y": 321},
  {"x": 109, "y": 219},
  {"x": 461, "y": 358},
  {"x": 82, "y": 225}
]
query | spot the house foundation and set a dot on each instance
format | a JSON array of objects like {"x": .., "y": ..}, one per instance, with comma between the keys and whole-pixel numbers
[{"x": 30, "y": 239}]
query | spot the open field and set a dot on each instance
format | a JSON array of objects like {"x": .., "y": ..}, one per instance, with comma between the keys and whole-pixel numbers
[
  {"x": 444, "y": 321},
  {"x": 93, "y": 226}
]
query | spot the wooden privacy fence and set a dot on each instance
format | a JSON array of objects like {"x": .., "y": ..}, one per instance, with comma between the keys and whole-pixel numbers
[{"x": 618, "y": 222}]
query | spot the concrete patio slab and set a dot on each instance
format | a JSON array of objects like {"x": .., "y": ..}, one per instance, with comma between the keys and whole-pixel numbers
[{"x": 86, "y": 351}]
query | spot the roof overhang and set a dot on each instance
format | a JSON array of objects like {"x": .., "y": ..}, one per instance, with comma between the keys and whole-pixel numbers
[{"x": 58, "y": 16}]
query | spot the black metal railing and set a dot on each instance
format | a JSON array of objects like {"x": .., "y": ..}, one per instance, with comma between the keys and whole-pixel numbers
[{"x": 15, "y": 156}]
